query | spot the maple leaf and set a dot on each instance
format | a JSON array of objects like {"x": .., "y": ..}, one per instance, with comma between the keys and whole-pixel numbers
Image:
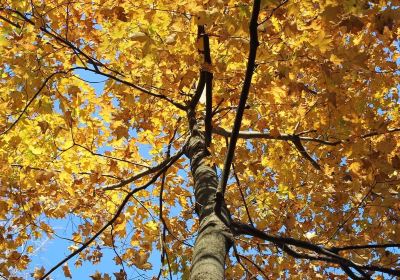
[
  {"x": 121, "y": 275},
  {"x": 38, "y": 273},
  {"x": 67, "y": 272},
  {"x": 96, "y": 276}
]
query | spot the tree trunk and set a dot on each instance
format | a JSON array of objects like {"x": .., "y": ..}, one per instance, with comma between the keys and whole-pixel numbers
[{"x": 214, "y": 239}]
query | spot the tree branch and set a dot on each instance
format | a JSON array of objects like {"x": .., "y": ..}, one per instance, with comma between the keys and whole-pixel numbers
[
  {"x": 288, "y": 137},
  {"x": 368, "y": 246},
  {"x": 208, "y": 83},
  {"x": 323, "y": 254},
  {"x": 273, "y": 11},
  {"x": 161, "y": 166},
  {"x": 110, "y": 157},
  {"x": 164, "y": 252},
  {"x": 10, "y": 22},
  {"x": 60, "y": 39},
  {"x": 254, "y": 264},
  {"x": 297, "y": 143},
  {"x": 242, "y": 104}
]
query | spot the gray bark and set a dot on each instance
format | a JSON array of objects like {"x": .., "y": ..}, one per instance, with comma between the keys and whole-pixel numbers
[{"x": 214, "y": 239}]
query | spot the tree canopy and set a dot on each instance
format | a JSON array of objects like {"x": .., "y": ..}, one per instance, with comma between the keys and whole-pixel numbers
[{"x": 267, "y": 130}]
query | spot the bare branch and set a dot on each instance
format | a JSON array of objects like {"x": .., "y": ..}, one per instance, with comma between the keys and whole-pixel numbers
[
  {"x": 322, "y": 253},
  {"x": 297, "y": 143},
  {"x": 160, "y": 166},
  {"x": 110, "y": 157},
  {"x": 368, "y": 246},
  {"x": 288, "y": 137},
  {"x": 242, "y": 103}
]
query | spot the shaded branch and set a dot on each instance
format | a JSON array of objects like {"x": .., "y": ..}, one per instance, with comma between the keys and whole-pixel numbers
[
  {"x": 242, "y": 104},
  {"x": 296, "y": 139},
  {"x": 161, "y": 166},
  {"x": 199, "y": 90},
  {"x": 368, "y": 246},
  {"x": 265, "y": 135},
  {"x": 164, "y": 253},
  {"x": 208, "y": 84},
  {"x": 59, "y": 171},
  {"x": 297, "y": 143},
  {"x": 288, "y": 137},
  {"x": 254, "y": 264},
  {"x": 236, "y": 253},
  {"x": 242, "y": 195},
  {"x": 109, "y": 157},
  {"x": 209, "y": 115},
  {"x": 60, "y": 39},
  {"x": 10, "y": 22},
  {"x": 322, "y": 253},
  {"x": 205, "y": 81}
]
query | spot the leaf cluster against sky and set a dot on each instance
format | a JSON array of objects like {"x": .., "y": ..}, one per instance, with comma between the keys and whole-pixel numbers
[{"x": 318, "y": 158}]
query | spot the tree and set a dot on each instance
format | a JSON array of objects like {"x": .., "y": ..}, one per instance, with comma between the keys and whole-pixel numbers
[{"x": 267, "y": 131}]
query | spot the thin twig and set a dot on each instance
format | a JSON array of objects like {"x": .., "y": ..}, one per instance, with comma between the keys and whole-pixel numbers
[{"x": 141, "y": 174}]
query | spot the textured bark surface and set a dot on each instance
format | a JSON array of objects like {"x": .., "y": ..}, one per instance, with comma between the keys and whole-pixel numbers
[
  {"x": 210, "y": 250},
  {"x": 213, "y": 241}
]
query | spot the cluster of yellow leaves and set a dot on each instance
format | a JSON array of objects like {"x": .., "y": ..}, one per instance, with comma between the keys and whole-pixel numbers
[{"x": 322, "y": 66}]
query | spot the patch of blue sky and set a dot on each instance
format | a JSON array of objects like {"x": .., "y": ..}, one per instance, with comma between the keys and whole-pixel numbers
[
  {"x": 96, "y": 81},
  {"x": 381, "y": 112}
]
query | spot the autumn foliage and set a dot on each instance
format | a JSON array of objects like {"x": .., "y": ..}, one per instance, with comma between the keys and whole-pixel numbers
[{"x": 308, "y": 188}]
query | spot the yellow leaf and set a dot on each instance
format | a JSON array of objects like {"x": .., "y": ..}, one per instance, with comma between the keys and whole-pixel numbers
[
  {"x": 310, "y": 235},
  {"x": 171, "y": 39},
  {"x": 36, "y": 150},
  {"x": 322, "y": 41},
  {"x": 275, "y": 24},
  {"x": 138, "y": 36},
  {"x": 152, "y": 225},
  {"x": 3, "y": 41},
  {"x": 336, "y": 60},
  {"x": 67, "y": 272},
  {"x": 355, "y": 167},
  {"x": 39, "y": 272}
]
